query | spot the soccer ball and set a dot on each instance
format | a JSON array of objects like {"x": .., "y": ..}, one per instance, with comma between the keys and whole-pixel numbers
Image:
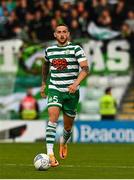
[{"x": 41, "y": 162}]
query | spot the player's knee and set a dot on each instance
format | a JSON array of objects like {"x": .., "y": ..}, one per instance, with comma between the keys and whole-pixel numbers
[
  {"x": 53, "y": 114},
  {"x": 53, "y": 117},
  {"x": 68, "y": 127}
]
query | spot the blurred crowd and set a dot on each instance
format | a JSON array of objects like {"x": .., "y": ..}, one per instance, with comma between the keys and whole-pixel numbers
[{"x": 35, "y": 20}]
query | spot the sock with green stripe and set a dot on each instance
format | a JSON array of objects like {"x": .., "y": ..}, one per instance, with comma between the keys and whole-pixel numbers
[
  {"x": 50, "y": 137},
  {"x": 66, "y": 136}
]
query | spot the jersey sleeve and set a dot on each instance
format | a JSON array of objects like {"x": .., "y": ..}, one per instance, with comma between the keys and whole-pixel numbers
[
  {"x": 45, "y": 55},
  {"x": 80, "y": 54}
]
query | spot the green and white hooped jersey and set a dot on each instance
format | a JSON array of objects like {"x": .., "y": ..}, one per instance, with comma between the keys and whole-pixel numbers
[{"x": 64, "y": 65}]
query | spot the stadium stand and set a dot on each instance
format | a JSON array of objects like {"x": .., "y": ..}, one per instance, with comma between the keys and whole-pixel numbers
[
  {"x": 126, "y": 110},
  {"x": 28, "y": 19}
]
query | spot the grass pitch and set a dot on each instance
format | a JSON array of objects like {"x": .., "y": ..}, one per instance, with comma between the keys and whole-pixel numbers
[{"x": 85, "y": 161}]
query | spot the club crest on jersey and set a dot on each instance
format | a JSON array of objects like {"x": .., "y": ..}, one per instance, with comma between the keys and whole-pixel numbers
[
  {"x": 60, "y": 64},
  {"x": 67, "y": 51}
]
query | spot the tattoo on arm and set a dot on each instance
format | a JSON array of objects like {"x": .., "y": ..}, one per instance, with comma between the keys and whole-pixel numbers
[
  {"x": 45, "y": 71},
  {"x": 86, "y": 69}
]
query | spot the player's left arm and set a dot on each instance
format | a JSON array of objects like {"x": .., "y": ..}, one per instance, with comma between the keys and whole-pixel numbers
[{"x": 82, "y": 75}]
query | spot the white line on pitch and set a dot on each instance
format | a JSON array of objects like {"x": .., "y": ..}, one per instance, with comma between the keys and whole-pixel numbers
[{"x": 78, "y": 166}]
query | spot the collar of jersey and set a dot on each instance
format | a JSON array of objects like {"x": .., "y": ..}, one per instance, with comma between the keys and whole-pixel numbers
[{"x": 65, "y": 45}]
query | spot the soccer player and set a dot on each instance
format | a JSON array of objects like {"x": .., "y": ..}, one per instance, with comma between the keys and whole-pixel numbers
[{"x": 63, "y": 60}]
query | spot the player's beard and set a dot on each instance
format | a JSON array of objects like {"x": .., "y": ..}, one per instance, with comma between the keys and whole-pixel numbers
[{"x": 62, "y": 42}]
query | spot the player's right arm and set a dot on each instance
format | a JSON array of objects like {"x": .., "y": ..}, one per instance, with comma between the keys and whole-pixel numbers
[{"x": 45, "y": 71}]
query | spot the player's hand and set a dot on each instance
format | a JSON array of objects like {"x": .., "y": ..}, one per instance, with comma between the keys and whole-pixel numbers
[
  {"x": 72, "y": 88},
  {"x": 42, "y": 91}
]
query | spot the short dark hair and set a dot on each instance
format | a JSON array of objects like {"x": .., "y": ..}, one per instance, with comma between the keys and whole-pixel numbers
[
  {"x": 108, "y": 90},
  {"x": 62, "y": 24}
]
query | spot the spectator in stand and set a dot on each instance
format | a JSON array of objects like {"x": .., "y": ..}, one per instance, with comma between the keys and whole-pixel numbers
[
  {"x": 38, "y": 32},
  {"x": 3, "y": 21},
  {"x": 75, "y": 29},
  {"x": 48, "y": 10},
  {"x": 50, "y": 7},
  {"x": 128, "y": 34},
  {"x": 11, "y": 23},
  {"x": 103, "y": 5},
  {"x": 58, "y": 16},
  {"x": 83, "y": 20},
  {"x": 8, "y": 6},
  {"x": 11, "y": 4},
  {"x": 29, "y": 109},
  {"x": 80, "y": 7},
  {"x": 130, "y": 19},
  {"x": 126, "y": 31},
  {"x": 21, "y": 10},
  {"x": 53, "y": 25},
  {"x": 29, "y": 19},
  {"x": 105, "y": 19},
  {"x": 66, "y": 8},
  {"x": 74, "y": 14},
  {"x": 94, "y": 13},
  {"x": 39, "y": 6},
  {"x": 108, "y": 105},
  {"x": 99, "y": 7},
  {"x": 119, "y": 14},
  {"x": 21, "y": 33}
]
